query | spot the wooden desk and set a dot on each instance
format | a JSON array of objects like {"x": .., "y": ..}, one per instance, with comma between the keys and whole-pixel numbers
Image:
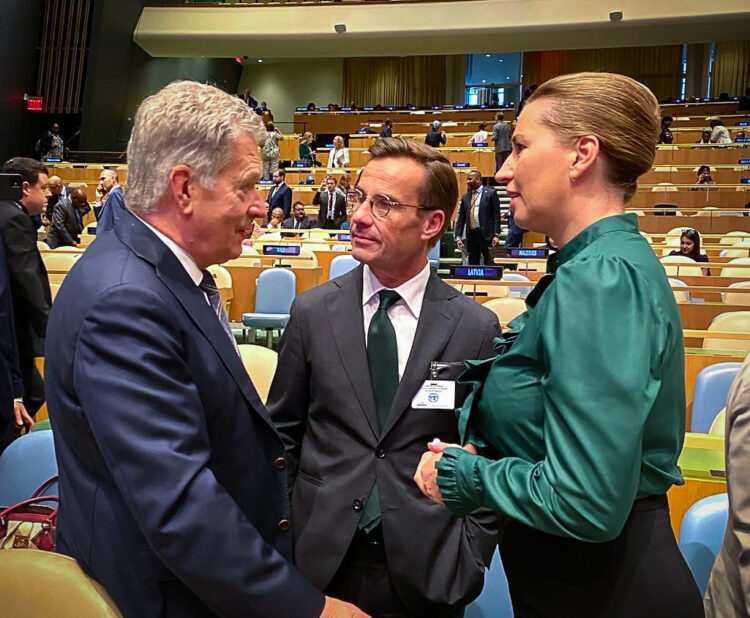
[{"x": 244, "y": 274}]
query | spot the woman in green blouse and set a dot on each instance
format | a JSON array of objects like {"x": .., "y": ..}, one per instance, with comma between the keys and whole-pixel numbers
[
  {"x": 305, "y": 149},
  {"x": 573, "y": 430}
]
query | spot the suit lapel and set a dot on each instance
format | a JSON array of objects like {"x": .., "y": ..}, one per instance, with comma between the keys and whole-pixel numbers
[
  {"x": 437, "y": 321},
  {"x": 169, "y": 270},
  {"x": 344, "y": 310}
]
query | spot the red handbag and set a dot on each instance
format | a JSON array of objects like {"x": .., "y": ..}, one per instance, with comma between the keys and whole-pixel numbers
[{"x": 30, "y": 524}]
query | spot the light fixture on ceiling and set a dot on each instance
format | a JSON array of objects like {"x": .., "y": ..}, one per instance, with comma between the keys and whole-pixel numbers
[
  {"x": 340, "y": 28},
  {"x": 615, "y": 16},
  {"x": 487, "y": 55},
  {"x": 260, "y": 59}
]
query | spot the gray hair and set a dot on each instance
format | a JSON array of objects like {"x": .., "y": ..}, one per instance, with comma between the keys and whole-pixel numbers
[{"x": 185, "y": 123}]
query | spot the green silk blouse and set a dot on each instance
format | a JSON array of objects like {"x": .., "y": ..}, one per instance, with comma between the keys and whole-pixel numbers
[{"x": 582, "y": 411}]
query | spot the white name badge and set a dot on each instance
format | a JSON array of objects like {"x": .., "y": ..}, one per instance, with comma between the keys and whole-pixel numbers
[{"x": 436, "y": 395}]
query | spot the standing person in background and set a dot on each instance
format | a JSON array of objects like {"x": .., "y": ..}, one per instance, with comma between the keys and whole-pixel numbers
[
  {"x": 280, "y": 195},
  {"x": 332, "y": 211},
  {"x": 480, "y": 137},
  {"x": 719, "y": 133},
  {"x": 51, "y": 144},
  {"x": 339, "y": 154},
  {"x": 435, "y": 137},
  {"x": 501, "y": 139},
  {"x": 574, "y": 428},
  {"x": 271, "y": 152},
  {"x": 387, "y": 129},
  {"x": 112, "y": 201},
  {"x": 29, "y": 285},
  {"x": 479, "y": 216},
  {"x": 305, "y": 149},
  {"x": 345, "y": 184},
  {"x": 67, "y": 220},
  {"x": 665, "y": 135},
  {"x": 13, "y": 415}
]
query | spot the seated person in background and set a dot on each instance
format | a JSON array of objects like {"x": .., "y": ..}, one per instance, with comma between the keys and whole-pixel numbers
[
  {"x": 728, "y": 588},
  {"x": 298, "y": 221},
  {"x": 387, "y": 129},
  {"x": 311, "y": 107},
  {"x": 704, "y": 176},
  {"x": 435, "y": 137},
  {"x": 277, "y": 216},
  {"x": 339, "y": 155},
  {"x": 305, "y": 149},
  {"x": 666, "y": 137},
  {"x": 67, "y": 220},
  {"x": 690, "y": 246},
  {"x": 481, "y": 136},
  {"x": 705, "y": 137},
  {"x": 719, "y": 133},
  {"x": 740, "y": 135}
]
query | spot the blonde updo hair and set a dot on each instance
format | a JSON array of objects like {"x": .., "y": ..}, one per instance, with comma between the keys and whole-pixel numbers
[{"x": 621, "y": 112}]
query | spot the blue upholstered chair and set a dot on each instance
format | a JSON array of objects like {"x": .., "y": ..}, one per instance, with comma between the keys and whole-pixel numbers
[
  {"x": 25, "y": 465},
  {"x": 274, "y": 294},
  {"x": 340, "y": 265},
  {"x": 710, "y": 394},
  {"x": 494, "y": 600},
  {"x": 701, "y": 534},
  {"x": 523, "y": 290},
  {"x": 433, "y": 255}
]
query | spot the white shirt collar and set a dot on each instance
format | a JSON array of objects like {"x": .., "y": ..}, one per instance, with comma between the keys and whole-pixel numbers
[
  {"x": 187, "y": 261},
  {"x": 411, "y": 291}
]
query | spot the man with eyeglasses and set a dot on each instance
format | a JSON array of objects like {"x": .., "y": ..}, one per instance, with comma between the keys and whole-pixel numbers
[{"x": 380, "y": 349}]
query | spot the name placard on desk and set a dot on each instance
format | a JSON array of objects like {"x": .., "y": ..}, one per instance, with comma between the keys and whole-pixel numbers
[
  {"x": 476, "y": 272},
  {"x": 529, "y": 253},
  {"x": 461, "y": 164},
  {"x": 742, "y": 140},
  {"x": 744, "y": 161},
  {"x": 480, "y": 144},
  {"x": 281, "y": 249},
  {"x": 345, "y": 237}
]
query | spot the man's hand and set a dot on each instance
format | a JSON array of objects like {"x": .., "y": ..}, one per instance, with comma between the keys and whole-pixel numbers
[
  {"x": 340, "y": 609},
  {"x": 22, "y": 417},
  {"x": 426, "y": 475},
  {"x": 460, "y": 244},
  {"x": 495, "y": 240}
]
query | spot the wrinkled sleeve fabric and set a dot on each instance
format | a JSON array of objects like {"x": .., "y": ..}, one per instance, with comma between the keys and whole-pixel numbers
[{"x": 599, "y": 335}]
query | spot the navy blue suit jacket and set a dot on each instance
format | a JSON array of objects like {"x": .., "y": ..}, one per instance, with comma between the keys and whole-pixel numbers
[
  {"x": 111, "y": 211},
  {"x": 281, "y": 198},
  {"x": 172, "y": 484},
  {"x": 11, "y": 385}
]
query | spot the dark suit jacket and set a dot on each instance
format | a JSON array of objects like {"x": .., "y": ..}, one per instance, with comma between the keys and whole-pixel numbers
[
  {"x": 113, "y": 208},
  {"x": 29, "y": 285},
  {"x": 306, "y": 224},
  {"x": 65, "y": 226},
  {"x": 281, "y": 198},
  {"x": 489, "y": 214},
  {"x": 329, "y": 423},
  {"x": 173, "y": 492},
  {"x": 339, "y": 209},
  {"x": 11, "y": 385}
]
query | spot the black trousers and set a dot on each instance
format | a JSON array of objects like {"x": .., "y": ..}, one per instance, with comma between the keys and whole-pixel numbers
[
  {"x": 33, "y": 385},
  {"x": 640, "y": 574},
  {"x": 500, "y": 159},
  {"x": 363, "y": 579},
  {"x": 330, "y": 224},
  {"x": 476, "y": 245}
]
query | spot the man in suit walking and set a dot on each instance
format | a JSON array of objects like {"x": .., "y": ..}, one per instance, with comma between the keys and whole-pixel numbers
[
  {"x": 364, "y": 345},
  {"x": 114, "y": 201},
  {"x": 29, "y": 285},
  {"x": 280, "y": 195},
  {"x": 332, "y": 204},
  {"x": 501, "y": 139},
  {"x": 479, "y": 212},
  {"x": 298, "y": 221},
  {"x": 67, "y": 220},
  {"x": 172, "y": 477}
]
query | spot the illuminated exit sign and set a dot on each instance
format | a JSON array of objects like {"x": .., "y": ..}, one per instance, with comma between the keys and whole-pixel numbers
[{"x": 34, "y": 104}]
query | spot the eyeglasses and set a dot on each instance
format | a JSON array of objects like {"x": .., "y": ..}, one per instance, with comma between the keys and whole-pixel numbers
[{"x": 380, "y": 204}]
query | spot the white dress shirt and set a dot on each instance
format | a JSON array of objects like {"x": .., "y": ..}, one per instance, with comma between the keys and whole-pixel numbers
[
  {"x": 404, "y": 314},
  {"x": 475, "y": 206}
]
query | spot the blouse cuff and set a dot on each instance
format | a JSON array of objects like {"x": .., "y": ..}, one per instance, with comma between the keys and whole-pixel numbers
[{"x": 458, "y": 479}]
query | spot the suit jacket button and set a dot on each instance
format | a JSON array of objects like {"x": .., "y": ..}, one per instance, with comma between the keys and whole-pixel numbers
[
  {"x": 284, "y": 525},
  {"x": 279, "y": 463},
  {"x": 380, "y": 453},
  {"x": 357, "y": 504}
]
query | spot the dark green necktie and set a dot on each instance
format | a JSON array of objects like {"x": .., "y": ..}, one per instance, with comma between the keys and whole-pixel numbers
[{"x": 382, "y": 354}]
